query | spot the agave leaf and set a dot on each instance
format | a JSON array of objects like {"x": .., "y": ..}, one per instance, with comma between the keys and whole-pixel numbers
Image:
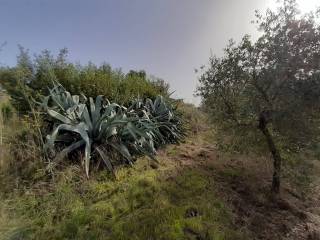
[
  {"x": 122, "y": 149},
  {"x": 58, "y": 116},
  {"x": 56, "y": 99},
  {"x": 92, "y": 106},
  {"x": 76, "y": 99},
  {"x": 130, "y": 128},
  {"x": 86, "y": 118},
  {"x": 96, "y": 114},
  {"x": 84, "y": 98},
  {"x": 44, "y": 103},
  {"x": 135, "y": 131},
  {"x": 87, "y": 156},
  {"x": 81, "y": 108},
  {"x": 81, "y": 129},
  {"x": 105, "y": 158},
  {"x": 150, "y": 105},
  {"x": 69, "y": 149},
  {"x": 157, "y": 102},
  {"x": 111, "y": 131},
  {"x": 68, "y": 100},
  {"x": 99, "y": 102},
  {"x": 95, "y": 111}
]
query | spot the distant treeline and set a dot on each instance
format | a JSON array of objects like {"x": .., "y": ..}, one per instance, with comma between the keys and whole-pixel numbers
[{"x": 33, "y": 77}]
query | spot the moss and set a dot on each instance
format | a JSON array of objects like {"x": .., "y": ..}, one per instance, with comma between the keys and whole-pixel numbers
[{"x": 141, "y": 203}]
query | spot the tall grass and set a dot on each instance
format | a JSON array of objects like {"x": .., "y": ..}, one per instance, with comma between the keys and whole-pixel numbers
[
  {"x": 143, "y": 203},
  {"x": 1, "y": 140},
  {"x": 5, "y": 124}
]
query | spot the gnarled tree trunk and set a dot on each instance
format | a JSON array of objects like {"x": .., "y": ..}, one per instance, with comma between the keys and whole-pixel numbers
[{"x": 263, "y": 121}]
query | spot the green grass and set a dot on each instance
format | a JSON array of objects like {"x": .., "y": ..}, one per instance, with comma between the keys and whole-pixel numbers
[
  {"x": 142, "y": 203},
  {"x": 230, "y": 173}
]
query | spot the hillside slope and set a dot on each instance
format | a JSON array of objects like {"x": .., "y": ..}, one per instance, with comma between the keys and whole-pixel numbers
[
  {"x": 196, "y": 192},
  {"x": 243, "y": 185}
]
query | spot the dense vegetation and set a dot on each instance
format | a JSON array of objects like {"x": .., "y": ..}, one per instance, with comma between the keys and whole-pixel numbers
[
  {"x": 105, "y": 118},
  {"x": 143, "y": 201},
  {"x": 90, "y": 152},
  {"x": 33, "y": 77},
  {"x": 108, "y": 129},
  {"x": 268, "y": 91}
]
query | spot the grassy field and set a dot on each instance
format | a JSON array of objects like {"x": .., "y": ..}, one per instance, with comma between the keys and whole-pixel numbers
[
  {"x": 195, "y": 192},
  {"x": 170, "y": 202}
]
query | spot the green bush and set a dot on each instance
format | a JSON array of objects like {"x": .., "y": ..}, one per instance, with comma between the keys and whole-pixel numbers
[
  {"x": 6, "y": 112},
  {"x": 32, "y": 77}
]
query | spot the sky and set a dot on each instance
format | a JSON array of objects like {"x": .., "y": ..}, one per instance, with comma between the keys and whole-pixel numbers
[{"x": 166, "y": 38}]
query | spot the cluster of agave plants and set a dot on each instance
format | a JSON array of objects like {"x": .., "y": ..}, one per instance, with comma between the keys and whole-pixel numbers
[{"x": 108, "y": 132}]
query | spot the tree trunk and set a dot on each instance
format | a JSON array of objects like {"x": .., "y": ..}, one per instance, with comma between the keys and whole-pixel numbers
[{"x": 263, "y": 121}]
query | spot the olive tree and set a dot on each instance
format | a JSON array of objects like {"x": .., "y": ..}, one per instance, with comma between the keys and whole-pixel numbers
[{"x": 269, "y": 87}]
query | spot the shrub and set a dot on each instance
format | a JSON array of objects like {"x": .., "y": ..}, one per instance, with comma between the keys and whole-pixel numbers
[
  {"x": 34, "y": 76},
  {"x": 111, "y": 131},
  {"x": 164, "y": 115},
  {"x": 6, "y": 111}
]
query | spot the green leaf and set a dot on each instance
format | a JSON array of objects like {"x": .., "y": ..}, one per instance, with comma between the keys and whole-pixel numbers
[
  {"x": 122, "y": 149},
  {"x": 105, "y": 158},
  {"x": 58, "y": 116}
]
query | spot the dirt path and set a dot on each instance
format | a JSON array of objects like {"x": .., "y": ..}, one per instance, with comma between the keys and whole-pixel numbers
[
  {"x": 244, "y": 186},
  {"x": 310, "y": 228}
]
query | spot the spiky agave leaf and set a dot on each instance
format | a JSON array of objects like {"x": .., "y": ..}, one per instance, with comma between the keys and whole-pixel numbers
[
  {"x": 164, "y": 115},
  {"x": 98, "y": 124}
]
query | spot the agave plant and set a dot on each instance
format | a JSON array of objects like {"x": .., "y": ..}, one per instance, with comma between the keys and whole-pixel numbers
[
  {"x": 164, "y": 115},
  {"x": 97, "y": 126}
]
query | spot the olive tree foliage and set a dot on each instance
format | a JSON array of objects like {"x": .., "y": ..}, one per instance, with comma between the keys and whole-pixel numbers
[{"x": 268, "y": 91}]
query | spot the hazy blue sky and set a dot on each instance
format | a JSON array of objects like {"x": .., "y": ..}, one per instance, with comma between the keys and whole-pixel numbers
[{"x": 167, "y": 38}]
